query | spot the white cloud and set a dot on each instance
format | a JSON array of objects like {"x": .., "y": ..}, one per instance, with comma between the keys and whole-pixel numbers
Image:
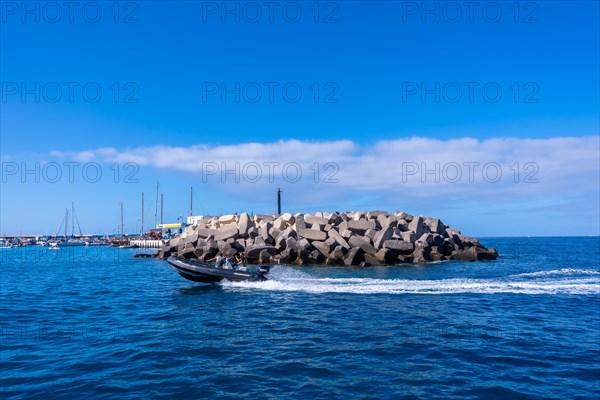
[{"x": 464, "y": 167}]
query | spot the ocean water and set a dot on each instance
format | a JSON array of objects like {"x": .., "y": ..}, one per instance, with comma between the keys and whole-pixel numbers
[{"x": 98, "y": 323}]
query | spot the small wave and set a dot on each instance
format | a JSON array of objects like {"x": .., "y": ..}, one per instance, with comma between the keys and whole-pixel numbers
[
  {"x": 290, "y": 281},
  {"x": 558, "y": 272}
]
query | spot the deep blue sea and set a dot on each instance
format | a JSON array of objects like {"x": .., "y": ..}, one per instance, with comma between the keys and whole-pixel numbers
[{"x": 97, "y": 323}]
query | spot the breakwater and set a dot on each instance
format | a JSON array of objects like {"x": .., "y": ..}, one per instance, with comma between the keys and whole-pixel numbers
[{"x": 338, "y": 238}]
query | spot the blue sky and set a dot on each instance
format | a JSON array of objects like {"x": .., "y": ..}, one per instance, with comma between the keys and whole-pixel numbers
[{"x": 385, "y": 87}]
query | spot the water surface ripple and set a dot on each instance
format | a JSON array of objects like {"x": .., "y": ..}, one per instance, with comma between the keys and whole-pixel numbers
[{"x": 97, "y": 322}]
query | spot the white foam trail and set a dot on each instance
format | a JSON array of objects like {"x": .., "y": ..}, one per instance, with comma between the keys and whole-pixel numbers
[
  {"x": 558, "y": 272},
  {"x": 303, "y": 282}
]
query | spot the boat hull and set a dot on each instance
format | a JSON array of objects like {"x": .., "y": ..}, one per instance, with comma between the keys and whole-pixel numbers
[{"x": 197, "y": 271}]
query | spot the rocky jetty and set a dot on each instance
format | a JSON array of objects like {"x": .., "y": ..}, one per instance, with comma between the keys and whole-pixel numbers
[{"x": 339, "y": 238}]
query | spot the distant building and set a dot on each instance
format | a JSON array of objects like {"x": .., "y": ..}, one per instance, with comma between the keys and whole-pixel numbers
[{"x": 195, "y": 219}]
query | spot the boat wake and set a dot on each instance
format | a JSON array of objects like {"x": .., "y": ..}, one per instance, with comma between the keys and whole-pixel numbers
[{"x": 562, "y": 281}]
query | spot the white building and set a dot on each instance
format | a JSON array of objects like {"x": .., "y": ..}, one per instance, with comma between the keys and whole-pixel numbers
[{"x": 193, "y": 220}]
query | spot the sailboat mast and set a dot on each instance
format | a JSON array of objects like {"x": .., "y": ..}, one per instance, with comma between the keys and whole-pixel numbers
[
  {"x": 122, "y": 226},
  {"x": 76, "y": 220},
  {"x": 72, "y": 219},
  {"x": 156, "y": 206},
  {"x": 66, "y": 221},
  {"x": 142, "y": 213}
]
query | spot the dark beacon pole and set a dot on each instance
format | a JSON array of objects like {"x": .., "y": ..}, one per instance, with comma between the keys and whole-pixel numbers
[
  {"x": 191, "y": 201},
  {"x": 278, "y": 200}
]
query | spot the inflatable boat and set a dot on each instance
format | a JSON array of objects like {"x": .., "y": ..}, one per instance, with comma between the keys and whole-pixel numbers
[{"x": 198, "y": 271}]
